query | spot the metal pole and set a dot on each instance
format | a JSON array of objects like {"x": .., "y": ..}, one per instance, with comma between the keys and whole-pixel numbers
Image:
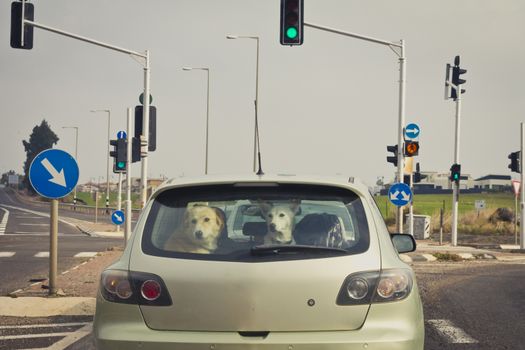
[
  {"x": 119, "y": 196},
  {"x": 515, "y": 219},
  {"x": 107, "y": 165},
  {"x": 207, "y": 118},
  {"x": 145, "y": 134},
  {"x": 455, "y": 185},
  {"x": 76, "y": 158},
  {"x": 401, "y": 123},
  {"x": 411, "y": 208},
  {"x": 96, "y": 206},
  {"x": 127, "y": 227},
  {"x": 256, "y": 107},
  {"x": 522, "y": 204},
  {"x": 53, "y": 247}
]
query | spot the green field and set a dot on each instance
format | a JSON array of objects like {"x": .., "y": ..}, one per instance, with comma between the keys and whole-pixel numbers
[
  {"x": 89, "y": 200},
  {"x": 430, "y": 204}
]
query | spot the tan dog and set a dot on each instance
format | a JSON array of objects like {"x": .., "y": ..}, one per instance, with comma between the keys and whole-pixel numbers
[
  {"x": 199, "y": 231},
  {"x": 280, "y": 220}
]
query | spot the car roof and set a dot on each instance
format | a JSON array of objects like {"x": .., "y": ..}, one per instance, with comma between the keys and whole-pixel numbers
[{"x": 337, "y": 181}]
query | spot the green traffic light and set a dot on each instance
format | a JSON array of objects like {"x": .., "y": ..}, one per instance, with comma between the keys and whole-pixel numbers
[
  {"x": 291, "y": 32},
  {"x": 121, "y": 165}
]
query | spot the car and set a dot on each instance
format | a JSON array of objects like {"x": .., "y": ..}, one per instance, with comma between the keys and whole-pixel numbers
[{"x": 337, "y": 282}]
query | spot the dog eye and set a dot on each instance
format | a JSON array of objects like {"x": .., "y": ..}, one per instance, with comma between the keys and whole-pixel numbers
[
  {"x": 281, "y": 215},
  {"x": 206, "y": 219},
  {"x": 193, "y": 221}
]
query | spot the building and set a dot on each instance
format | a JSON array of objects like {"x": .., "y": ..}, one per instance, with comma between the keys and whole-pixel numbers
[{"x": 494, "y": 182}]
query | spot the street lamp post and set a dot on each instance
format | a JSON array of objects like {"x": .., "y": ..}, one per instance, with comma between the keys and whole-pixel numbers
[
  {"x": 256, "y": 93},
  {"x": 207, "y": 109},
  {"x": 76, "y": 159},
  {"x": 107, "y": 167}
]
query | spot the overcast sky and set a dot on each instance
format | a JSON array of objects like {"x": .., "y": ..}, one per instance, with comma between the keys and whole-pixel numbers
[{"x": 326, "y": 107}]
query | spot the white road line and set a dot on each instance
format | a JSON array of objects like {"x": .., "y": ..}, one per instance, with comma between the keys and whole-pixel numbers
[
  {"x": 71, "y": 324},
  {"x": 3, "y": 223},
  {"x": 452, "y": 333},
  {"x": 28, "y": 336},
  {"x": 44, "y": 215},
  {"x": 72, "y": 338},
  {"x": 6, "y": 254},
  {"x": 85, "y": 255},
  {"x": 41, "y": 255},
  {"x": 32, "y": 224}
]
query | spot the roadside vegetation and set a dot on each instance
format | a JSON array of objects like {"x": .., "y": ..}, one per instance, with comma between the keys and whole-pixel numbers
[{"x": 497, "y": 218}]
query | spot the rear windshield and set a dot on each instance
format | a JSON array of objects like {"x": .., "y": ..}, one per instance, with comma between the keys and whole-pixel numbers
[{"x": 256, "y": 223}]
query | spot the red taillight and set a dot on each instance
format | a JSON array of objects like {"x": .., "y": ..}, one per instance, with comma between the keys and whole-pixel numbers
[{"x": 150, "y": 290}]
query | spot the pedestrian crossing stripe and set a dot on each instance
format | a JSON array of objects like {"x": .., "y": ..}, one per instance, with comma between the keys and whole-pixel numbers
[
  {"x": 46, "y": 254},
  {"x": 6, "y": 254}
]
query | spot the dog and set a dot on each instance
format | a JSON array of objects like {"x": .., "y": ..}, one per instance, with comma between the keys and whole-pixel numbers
[
  {"x": 280, "y": 221},
  {"x": 199, "y": 232}
]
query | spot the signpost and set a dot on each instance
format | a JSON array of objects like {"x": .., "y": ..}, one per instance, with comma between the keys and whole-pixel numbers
[
  {"x": 53, "y": 174},
  {"x": 516, "y": 188},
  {"x": 400, "y": 194},
  {"x": 118, "y": 217}
]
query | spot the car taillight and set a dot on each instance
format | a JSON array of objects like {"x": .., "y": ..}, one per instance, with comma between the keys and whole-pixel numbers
[
  {"x": 375, "y": 287},
  {"x": 132, "y": 287},
  {"x": 150, "y": 290}
]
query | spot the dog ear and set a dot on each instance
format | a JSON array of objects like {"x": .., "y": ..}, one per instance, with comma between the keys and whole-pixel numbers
[
  {"x": 221, "y": 218},
  {"x": 265, "y": 206},
  {"x": 295, "y": 205}
]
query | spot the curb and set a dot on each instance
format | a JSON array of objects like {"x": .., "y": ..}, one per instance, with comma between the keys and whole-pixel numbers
[{"x": 423, "y": 257}]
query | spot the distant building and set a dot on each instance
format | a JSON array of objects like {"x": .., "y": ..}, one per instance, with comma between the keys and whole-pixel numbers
[{"x": 494, "y": 182}]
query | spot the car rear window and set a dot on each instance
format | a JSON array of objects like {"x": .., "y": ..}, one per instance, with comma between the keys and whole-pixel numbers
[{"x": 256, "y": 223}]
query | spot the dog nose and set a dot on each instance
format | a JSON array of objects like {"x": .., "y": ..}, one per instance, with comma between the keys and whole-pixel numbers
[
  {"x": 272, "y": 227},
  {"x": 198, "y": 234}
]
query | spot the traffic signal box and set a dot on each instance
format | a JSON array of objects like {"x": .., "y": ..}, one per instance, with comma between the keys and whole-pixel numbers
[
  {"x": 457, "y": 71},
  {"x": 455, "y": 173},
  {"x": 119, "y": 154},
  {"x": 152, "y": 137},
  {"x": 292, "y": 22},
  {"x": 514, "y": 165},
  {"x": 16, "y": 25},
  {"x": 411, "y": 148},
  {"x": 392, "y": 159}
]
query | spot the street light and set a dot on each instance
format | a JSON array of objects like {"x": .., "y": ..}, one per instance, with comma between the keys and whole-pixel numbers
[
  {"x": 76, "y": 158},
  {"x": 207, "y": 109},
  {"x": 256, "y": 91},
  {"x": 107, "y": 168}
]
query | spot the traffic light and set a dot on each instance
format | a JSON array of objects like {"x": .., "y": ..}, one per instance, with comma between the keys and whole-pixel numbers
[
  {"x": 455, "y": 173},
  {"x": 456, "y": 79},
  {"x": 417, "y": 175},
  {"x": 392, "y": 159},
  {"x": 119, "y": 155},
  {"x": 152, "y": 139},
  {"x": 514, "y": 165},
  {"x": 411, "y": 148},
  {"x": 135, "y": 149},
  {"x": 16, "y": 25},
  {"x": 292, "y": 22}
]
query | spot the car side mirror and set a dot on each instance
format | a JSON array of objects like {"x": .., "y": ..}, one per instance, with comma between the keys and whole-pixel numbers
[{"x": 403, "y": 243}]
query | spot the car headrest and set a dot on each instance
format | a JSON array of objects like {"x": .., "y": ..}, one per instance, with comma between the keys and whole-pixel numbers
[{"x": 257, "y": 229}]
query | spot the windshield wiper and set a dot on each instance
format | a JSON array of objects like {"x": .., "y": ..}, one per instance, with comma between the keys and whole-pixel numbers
[{"x": 294, "y": 249}]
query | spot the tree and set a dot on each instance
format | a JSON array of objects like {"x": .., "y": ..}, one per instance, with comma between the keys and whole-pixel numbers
[{"x": 41, "y": 138}]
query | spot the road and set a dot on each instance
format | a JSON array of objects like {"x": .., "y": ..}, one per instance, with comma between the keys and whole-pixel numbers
[{"x": 24, "y": 243}]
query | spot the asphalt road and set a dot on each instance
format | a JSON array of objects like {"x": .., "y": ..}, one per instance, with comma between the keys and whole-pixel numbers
[{"x": 24, "y": 244}]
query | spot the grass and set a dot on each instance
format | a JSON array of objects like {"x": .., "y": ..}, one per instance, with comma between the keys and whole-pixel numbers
[
  {"x": 89, "y": 200},
  {"x": 470, "y": 220}
]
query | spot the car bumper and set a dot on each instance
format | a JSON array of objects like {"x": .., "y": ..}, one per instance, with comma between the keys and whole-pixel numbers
[{"x": 393, "y": 326}]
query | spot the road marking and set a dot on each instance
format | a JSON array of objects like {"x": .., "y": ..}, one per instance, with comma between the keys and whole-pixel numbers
[
  {"x": 44, "y": 215},
  {"x": 72, "y": 337},
  {"x": 42, "y": 255},
  {"x": 85, "y": 255},
  {"x": 6, "y": 254},
  {"x": 452, "y": 333},
  {"x": 71, "y": 324},
  {"x": 31, "y": 224},
  {"x": 3, "y": 223}
]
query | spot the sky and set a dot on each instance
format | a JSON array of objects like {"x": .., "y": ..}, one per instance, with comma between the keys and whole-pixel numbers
[{"x": 327, "y": 107}]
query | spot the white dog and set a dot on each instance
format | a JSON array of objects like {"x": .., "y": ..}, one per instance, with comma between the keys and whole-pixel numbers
[{"x": 280, "y": 220}]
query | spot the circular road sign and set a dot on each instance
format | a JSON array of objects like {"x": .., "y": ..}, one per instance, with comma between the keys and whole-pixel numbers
[
  {"x": 53, "y": 173},
  {"x": 400, "y": 194},
  {"x": 412, "y": 131},
  {"x": 117, "y": 217}
]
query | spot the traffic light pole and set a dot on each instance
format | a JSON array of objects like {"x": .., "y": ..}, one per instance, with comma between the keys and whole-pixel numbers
[
  {"x": 401, "y": 117},
  {"x": 455, "y": 188},
  {"x": 522, "y": 203},
  {"x": 127, "y": 216},
  {"x": 144, "y": 60}
]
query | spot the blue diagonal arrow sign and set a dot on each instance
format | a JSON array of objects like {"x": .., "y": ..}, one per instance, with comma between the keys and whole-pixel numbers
[
  {"x": 53, "y": 173},
  {"x": 400, "y": 194},
  {"x": 118, "y": 217}
]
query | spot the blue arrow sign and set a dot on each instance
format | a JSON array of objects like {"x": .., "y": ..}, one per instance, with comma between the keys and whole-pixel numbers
[
  {"x": 53, "y": 173},
  {"x": 412, "y": 131},
  {"x": 400, "y": 194},
  {"x": 118, "y": 217},
  {"x": 121, "y": 135}
]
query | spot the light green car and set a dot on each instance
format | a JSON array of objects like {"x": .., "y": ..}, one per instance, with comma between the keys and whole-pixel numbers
[{"x": 261, "y": 262}]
